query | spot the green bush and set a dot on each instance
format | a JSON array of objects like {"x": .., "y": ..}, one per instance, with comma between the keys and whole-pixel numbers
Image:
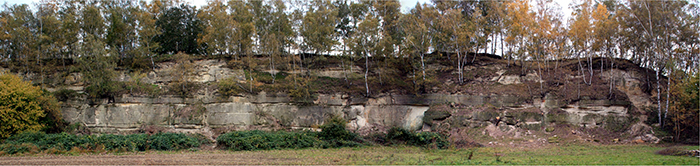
[
  {"x": 18, "y": 148},
  {"x": 65, "y": 94},
  {"x": 19, "y": 143},
  {"x": 229, "y": 87},
  {"x": 424, "y": 139},
  {"x": 172, "y": 141},
  {"x": 184, "y": 89},
  {"x": 335, "y": 134},
  {"x": 334, "y": 129},
  {"x": 260, "y": 140}
]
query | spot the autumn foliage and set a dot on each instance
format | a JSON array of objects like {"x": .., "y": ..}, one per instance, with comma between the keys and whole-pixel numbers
[
  {"x": 685, "y": 109},
  {"x": 24, "y": 107}
]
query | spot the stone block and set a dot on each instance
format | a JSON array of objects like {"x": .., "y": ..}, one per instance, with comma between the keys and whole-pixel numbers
[{"x": 228, "y": 118}]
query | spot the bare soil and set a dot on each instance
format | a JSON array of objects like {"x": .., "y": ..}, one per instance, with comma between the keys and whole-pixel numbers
[{"x": 214, "y": 157}]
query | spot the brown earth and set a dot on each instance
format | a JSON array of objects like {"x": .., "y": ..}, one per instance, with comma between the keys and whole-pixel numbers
[{"x": 215, "y": 157}]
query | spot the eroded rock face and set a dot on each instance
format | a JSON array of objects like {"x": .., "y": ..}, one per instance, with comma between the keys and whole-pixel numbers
[
  {"x": 409, "y": 112},
  {"x": 204, "y": 110}
]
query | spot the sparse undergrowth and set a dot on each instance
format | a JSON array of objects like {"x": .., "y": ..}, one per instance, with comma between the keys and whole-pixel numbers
[{"x": 576, "y": 154}]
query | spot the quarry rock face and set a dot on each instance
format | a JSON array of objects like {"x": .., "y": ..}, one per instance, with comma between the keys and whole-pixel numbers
[{"x": 426, "y": 112}]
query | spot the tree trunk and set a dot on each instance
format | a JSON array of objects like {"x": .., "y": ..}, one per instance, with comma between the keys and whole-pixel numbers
[
  {"x": 422, "y": 64},
  {"x": 658, "y": 96},
  {"x": 366, "y": 72},
  {"x": 668, "y": 92},
  {"x": 459, "y": 67},
  {"x": 342, "y": 62}
]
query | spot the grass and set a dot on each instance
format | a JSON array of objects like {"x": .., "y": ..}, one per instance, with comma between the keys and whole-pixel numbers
[
  {"x": 553, "y": 155},
  {"x": 577, "y": 154}
]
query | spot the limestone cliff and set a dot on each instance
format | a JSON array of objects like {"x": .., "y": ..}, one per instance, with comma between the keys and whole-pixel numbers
[{"x": 487, "y": 100}]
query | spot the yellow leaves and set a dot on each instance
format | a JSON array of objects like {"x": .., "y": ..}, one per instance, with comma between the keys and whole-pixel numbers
[{"x": 21, "y": 106}]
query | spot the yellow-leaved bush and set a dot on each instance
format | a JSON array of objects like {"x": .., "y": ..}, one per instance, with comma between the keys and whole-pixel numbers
[{"x": 24, "y": 107}]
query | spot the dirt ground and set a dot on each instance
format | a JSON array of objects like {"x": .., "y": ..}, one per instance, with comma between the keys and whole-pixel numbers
[{"x": 153, "y": 158}]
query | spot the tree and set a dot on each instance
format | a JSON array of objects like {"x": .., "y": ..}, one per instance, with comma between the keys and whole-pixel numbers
[
  {"x": 244, "y": 27},
  {"x": 280, "y": 35},
  {"x": 24, "y": 107},
  {"x": 685, "y": 107},
  {"x": 273, "y": 30},
  {"x": 344, "y": 28},
  {"x": 92, "y": 22},
  {"x": 518, "y": 17},
  {"x": 182, "y": 76},
  {"x": 147, "y": 30},
  {"x": 365, "y": 42},
  {"x": 121, "y": 36},
  {"x": 180, "y": 27},
  {"x": 651, "y": 33},
  {"x": 48, "y": 35},
  {"x": 97, "y": 68},
  {"x": 417, "y": 26},
  {"x": 21, "y": 39},
  {"x": 219, "y": 28},
  {"x": 318, "y": 27},
  {"x": 69, "y": 30},
  {"x": 388, "y": 11}
]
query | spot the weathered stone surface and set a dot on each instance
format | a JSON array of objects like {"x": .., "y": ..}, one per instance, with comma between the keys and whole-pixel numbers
[
  {"x": 189, "y": 115},
  {"x": 486, "y": 115},
  {"x": 264, "y": 97},
  {"x": 435, "y": 113},
  {"x": 332, "y": 99},
  {"x": 514, "y": 117},
  {"x": 630, "y": 83},
  {"x": 431, "y": 99},
  {"x": 382, "y": 110},
  {"x": 408, "y": 117},
  {"x": 222, "y": 114},
  {"x": 133, "y": 115},
  {"x": 509, "y": 79},
  {"x": 73, "y": 79}
]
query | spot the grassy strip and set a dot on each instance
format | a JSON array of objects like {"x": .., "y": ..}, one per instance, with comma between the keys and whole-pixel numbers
[{"x": 551, "y": 155}]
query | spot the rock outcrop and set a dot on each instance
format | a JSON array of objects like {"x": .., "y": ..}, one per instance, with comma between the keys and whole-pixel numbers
[{"x": 206, "y": 109}]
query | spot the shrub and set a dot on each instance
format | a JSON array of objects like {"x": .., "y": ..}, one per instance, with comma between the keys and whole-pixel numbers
[
  {"x": 229, "y": 87},
  {"x": 184, "y": 89},
  {"x": 172, "y": 141},
  {"x": 334, "y": 129},
  {"x": 26, "y": 137},
  {"x": 260, "y": 140},
  {"x": 134, "y": 142},
  {"x": 65, "y": 94},
  {"x": 423, "y": 139},
  {"x": 673, "y": 151},
  {"x": 335, "y": 134},
  {"x": 55, "y": 143},
  {"x": 25, "y": 107},
  {"x": 18, "y": 148}
]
